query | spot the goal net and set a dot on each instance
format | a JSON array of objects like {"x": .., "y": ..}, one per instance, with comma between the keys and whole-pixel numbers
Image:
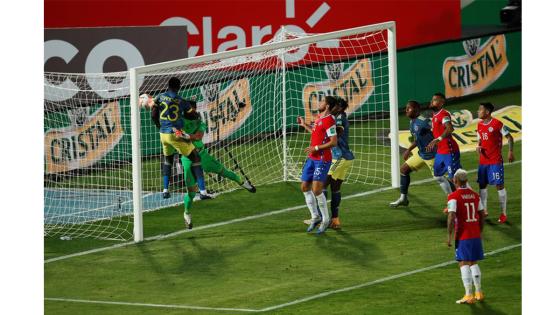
[{"x": 103, "y": 153}]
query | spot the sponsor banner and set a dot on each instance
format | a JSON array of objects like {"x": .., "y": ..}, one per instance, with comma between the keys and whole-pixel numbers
[
  {"x": 355, "y": 84},
  {"x": 224, "y": 111},
  {"x": 478, "y": 69},
  {"x": 421, "y": 70},
  {"x": 220, "y": 25},
  {"x": 460, "y": 118},
  {"x": 466, "y": 137},
  {"x": 95, "y": 51},
  {"x": 261, "y": 95},
  {"x": 86, "y": 141}
]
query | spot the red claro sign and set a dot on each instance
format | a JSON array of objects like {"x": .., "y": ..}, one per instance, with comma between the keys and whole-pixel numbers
[{"x": 220, "y": 25}]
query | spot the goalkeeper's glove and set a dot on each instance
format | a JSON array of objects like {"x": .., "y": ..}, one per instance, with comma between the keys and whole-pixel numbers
[{"x": 180, "y": 134}]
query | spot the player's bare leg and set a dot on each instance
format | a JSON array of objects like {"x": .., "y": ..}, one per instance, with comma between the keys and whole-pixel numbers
[
  {"x": 405, "y": 182},
  {"x": 466, "y": 276}
]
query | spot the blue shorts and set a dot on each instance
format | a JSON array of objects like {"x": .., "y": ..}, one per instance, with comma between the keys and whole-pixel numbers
[
  {"x": 492, "y": 174},
  {"x": 469, "y": 250},
  {"x": 449, "y": 163},
  {"x": 315, "y": 170}
]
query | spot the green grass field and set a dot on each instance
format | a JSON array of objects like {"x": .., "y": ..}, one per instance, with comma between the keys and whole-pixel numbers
[{"x": 268, "y": 262}]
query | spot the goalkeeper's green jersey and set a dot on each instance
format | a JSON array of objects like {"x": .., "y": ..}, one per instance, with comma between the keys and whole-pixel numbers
[{"x": 194, "y": 126}]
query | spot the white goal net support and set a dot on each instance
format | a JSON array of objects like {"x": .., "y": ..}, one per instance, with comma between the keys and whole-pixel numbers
[{"x": 104, "y": 157}]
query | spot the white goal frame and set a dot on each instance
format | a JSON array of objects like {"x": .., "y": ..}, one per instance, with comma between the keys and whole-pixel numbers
[{"x": 135, "y": 73}]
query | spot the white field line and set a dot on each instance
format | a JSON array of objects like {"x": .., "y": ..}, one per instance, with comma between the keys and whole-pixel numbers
[
  {"x": 366, "y": 284},
  {"x": 243, "y": 219},
  {"x": 298, "y": 301},
  {"x": 192, "y": 307}
]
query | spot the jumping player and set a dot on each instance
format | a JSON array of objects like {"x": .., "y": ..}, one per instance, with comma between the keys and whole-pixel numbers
[
  {"x": 168, "y": 111},
  {"x": 193, "y": 131}
]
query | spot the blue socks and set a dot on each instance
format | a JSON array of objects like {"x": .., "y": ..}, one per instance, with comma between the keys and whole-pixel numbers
[
  {"x": 335, "y": 202},
  {"x": 405, "y": 182},
  {"x": 166, "y": 175},
  {"x": 199, "y": 174}
]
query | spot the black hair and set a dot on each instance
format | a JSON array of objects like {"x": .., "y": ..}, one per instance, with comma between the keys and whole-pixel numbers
[
  {"x": 192, "y": 103},
  {"x": 174, "y": 84},
  {"x": 414, "y": 104},
  {"x": 440, "y": 95},
  {"x": 343, "y": 103},
  {"x": 331, "y": 102},
  {"x": 489, "y": 106}
]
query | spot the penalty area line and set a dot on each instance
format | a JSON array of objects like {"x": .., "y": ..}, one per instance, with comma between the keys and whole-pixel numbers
[
  {"x": 243, "y": 219},
  {"x": 283, "y": 305}
]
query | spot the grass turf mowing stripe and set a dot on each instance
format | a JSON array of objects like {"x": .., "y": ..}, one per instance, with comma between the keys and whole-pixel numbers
[
  {"x": 248, "y": 218},
  {"x": 279, "y": 306}
]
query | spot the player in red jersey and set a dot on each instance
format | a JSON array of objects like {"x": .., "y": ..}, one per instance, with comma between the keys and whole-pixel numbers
[
  {"x": 317, "y": 165},
  {"x": 466, "y": 220},
  {"x": 490, "y": 132},
  {"x": 448, "y": 156}
]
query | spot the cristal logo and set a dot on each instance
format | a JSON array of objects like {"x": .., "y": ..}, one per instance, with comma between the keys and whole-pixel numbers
[
  {"x": 471, "y": 46},
  {"x": 461, "y": 118},
  {"x": 85, "y": 141},
  {"x": 258, "y": 32},
  {"x": 224, "y": 110}
]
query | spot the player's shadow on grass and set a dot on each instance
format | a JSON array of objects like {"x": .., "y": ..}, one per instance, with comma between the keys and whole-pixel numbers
[
  {"x": 205, "y": 259},
  {"x": 484, "y": 308},
  {"x": 431, "y": 215},
  {"x": 155, "y": 265},
  {"x": 344, "y": 246},
  {"x": 508, "y": 229},
  {"x": 188, "y": 256}
]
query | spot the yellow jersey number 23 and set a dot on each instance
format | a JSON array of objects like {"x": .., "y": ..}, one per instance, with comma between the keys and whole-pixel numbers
[{"x": 169, "y": 112}]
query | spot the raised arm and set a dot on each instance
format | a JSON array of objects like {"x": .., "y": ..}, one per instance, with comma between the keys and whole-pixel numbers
[
  {"x": 302, "y": 123},
  {"x": 155, "y": 116}
]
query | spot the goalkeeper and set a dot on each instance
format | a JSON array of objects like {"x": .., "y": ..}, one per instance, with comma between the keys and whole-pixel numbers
[{"x": 193, "y": 130}]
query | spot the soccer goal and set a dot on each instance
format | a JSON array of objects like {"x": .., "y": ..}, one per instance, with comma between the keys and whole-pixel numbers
[{"x": 103, "y": 155}]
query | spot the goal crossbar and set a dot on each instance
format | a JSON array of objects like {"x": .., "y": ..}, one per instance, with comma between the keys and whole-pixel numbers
[{"x": 390, "y": 26}]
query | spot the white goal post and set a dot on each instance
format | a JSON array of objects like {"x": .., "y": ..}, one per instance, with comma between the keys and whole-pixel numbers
[{"x": 255, "y": 55}]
